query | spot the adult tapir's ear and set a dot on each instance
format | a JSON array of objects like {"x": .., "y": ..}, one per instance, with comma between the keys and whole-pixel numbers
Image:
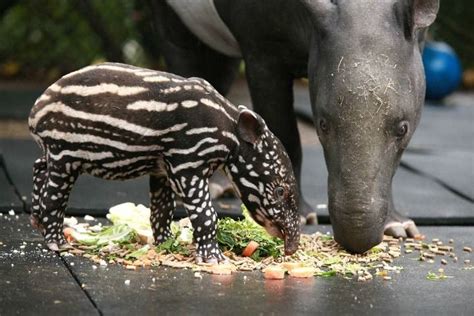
[
  {"x": 249, "y": 126},
  {"x": 424, "y": 12}
]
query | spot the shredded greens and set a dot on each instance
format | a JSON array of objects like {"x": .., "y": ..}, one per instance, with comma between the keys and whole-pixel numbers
[
  {"x": 129, "y": 242},
  {"x": 432, "y": 276},
  {"x": 235, "y": 235},
  {"x": 118, "y": 234}
]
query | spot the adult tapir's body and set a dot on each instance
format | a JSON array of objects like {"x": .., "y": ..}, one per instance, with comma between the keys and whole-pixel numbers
[{"x": 363, "y": 62}]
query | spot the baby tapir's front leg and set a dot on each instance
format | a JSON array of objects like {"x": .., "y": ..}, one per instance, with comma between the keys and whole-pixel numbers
[
  {"x": 194, "y": 192},
  {"x": 162, "y": 206}
]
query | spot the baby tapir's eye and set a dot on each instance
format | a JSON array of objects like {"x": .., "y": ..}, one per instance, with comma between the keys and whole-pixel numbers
[{"x": 279, "y": 193}]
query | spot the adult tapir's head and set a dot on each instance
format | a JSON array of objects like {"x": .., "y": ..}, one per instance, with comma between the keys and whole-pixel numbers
[{"x": 367, "y": 91}]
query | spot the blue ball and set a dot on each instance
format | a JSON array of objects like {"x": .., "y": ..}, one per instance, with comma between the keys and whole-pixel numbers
[{"x": 442, "y": 70}]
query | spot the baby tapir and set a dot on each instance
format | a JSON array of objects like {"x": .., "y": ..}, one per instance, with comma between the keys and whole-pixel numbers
[{"x": 116, "y": 121}]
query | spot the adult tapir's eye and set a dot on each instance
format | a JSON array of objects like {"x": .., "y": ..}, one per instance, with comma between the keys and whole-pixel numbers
[
  {"x": 279, "y": 193},
  {"x": 323, "y": 125},
  {"x": 402, "y": 129}
]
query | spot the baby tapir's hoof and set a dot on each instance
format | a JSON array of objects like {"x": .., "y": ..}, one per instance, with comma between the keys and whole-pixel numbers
[
  {"x": 53, "y": 246},
  {"x": 209, "y": 253},
  {"x": 36, "y": 222}
]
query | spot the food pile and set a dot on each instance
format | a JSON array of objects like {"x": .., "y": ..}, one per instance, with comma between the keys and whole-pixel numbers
[{"x": 128, "y": 241}]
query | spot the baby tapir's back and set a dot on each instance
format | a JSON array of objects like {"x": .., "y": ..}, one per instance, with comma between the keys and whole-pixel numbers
[{"x": 115, "y": 120}]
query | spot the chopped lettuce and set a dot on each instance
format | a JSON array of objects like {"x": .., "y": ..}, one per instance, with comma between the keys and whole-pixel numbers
[
  {"x": 138, "y": 253},
  {"x": 118, "y": 234}
]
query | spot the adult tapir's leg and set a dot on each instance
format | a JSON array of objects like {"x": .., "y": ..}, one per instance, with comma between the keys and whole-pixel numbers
[
  {"x": 188, "y": 56},
  {"x": 271, "y": 88},
  {"x": 398, "y": 225}
]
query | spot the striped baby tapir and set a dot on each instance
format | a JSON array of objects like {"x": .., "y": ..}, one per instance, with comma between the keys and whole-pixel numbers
[{"x": 118, "y": 122}]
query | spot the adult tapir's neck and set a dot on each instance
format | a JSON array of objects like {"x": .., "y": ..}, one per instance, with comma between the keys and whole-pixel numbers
[{"x": 282, "y": 28}]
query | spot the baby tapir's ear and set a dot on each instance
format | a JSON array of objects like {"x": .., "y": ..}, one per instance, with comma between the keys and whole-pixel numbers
[{"x": 249, "y": 127}]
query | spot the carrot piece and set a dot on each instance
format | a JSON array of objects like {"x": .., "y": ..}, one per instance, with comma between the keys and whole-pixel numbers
[
  {"x": 303, "y": 272},
  {"x": 419, "y": 237},
  {"x": 274, "y": 273},
  {"x": 250, "y": 249},
  {"x": 68, "y": 231}
]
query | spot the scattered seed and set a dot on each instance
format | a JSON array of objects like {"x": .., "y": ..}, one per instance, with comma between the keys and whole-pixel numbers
[
  {"x": 130, "y": 267},
  {"x": 445, "y": 248},
  {"x": 387, "y": 277},
  {"x": 467, "y": 249},
  {"x": 443, "y": 261},
  {"x": 451, "y": 241},
  {"x": 467, "y": 261},
  {"x": 127, "y": 282},
  {"x": 428, "y": 255}
]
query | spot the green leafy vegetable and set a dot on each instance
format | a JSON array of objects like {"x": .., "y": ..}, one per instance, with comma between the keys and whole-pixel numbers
[
  {"x": 235, "y": 235},
  {"x": 138, "y": 253},
  {"x": 118, "y": 234},
  {"x": 172, "y": 245}
]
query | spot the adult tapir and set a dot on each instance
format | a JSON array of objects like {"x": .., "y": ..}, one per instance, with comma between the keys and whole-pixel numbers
[{"x": 363, "y": 62}]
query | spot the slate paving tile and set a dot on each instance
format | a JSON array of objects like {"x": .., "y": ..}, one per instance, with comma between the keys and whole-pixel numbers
[
  {"x": 34, "y": 281},
  {"x": 415, "y": 196},
  {"x": 167, "y": 291},
  {"x": 16, "y": 103},
  {"x": 9, "y": 200},
  {"x": 446, "y": 128},
  {"x": 453, "y": 168}
]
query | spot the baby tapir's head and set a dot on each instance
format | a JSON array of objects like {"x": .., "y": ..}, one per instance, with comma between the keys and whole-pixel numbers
[{"x": 263, "y": 175}]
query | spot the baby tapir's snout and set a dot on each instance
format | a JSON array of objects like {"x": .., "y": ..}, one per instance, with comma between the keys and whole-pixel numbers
[{"x": 119, "y": 122}]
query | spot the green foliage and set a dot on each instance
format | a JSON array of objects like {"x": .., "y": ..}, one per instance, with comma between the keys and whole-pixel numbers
[{"x": 52, "y": 37}]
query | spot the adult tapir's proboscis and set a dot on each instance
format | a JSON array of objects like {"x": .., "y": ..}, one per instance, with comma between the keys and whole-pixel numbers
[{"x": 363, "y": 62}]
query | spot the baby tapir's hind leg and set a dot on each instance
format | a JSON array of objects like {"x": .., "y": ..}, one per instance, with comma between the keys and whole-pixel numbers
[
  {"x": 162, "y": 205},
  {"x": 39, "y": 175},
  {"x": 53, "y": 200},
  {"x": 196, "y": 198}
]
